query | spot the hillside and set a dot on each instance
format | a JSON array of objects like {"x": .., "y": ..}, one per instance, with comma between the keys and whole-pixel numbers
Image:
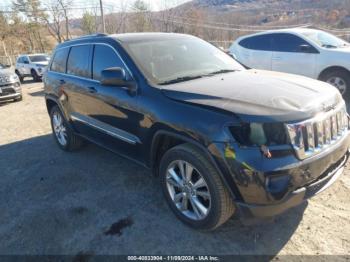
[{"x": 333, "y": 13}]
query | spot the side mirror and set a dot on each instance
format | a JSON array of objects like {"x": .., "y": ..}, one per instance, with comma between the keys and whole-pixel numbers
[
  {"x": 26, "y": 62},
  {"x": 114, "y": 76},
  {"x": 306, "y": 49}
]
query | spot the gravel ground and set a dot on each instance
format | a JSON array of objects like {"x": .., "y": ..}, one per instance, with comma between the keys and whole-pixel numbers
[{"x": 95, "y": 202}]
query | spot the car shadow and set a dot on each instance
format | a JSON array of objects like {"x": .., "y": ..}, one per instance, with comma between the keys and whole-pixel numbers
[
  {"x": 37, "y": 93},
  {"x": 55, "y": 202}
]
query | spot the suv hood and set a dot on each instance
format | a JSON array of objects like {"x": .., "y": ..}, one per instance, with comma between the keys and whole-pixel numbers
[
  {"x": 256, "y": 95},
  {"x": 7, "y": 71}
]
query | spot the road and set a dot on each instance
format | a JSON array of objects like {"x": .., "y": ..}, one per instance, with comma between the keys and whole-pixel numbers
[{"x": 95, "y": 202}]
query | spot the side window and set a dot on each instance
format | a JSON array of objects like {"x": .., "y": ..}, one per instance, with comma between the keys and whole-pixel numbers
[
  {"x": 59, "y": 60},
  {"x": 79, "y": 61},
  {"x": 104, "y": 57},
  {"x": 287, "y": 43},
  {"x": 259, "y": 42},
  {"x": 25, "y": 59}
]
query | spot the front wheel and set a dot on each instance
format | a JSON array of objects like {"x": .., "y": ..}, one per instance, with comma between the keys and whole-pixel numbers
[
  {"x": 340, "y": 79},
  {"x": 19, "y": 76},
  {"x": 193, "y": 188}
]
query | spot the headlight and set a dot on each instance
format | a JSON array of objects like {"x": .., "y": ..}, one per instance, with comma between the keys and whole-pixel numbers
[
  {"x": 14, "y": 77},
  {"x": 257, "y": 134}
]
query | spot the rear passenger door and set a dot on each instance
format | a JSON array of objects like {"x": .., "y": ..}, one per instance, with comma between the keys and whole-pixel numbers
[{"x": 256, "y": 52}]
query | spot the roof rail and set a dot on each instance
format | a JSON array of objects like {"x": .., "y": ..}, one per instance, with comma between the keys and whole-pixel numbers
[{"x": 87, "y": 36}]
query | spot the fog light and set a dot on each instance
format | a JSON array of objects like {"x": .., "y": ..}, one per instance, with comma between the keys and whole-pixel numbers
[{"x": 278, "y": 185}]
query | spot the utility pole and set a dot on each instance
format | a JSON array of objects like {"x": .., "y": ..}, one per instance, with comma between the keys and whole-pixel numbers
[{"x": 103, "y": 18}]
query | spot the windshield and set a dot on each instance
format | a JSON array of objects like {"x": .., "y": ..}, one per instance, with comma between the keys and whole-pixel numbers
[
  {"x": 324, "y": 39},
  {"x": 181, "y": 59},
  {"x": 39, "y": 58}
]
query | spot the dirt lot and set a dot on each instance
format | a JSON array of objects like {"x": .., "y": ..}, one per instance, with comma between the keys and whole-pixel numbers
[{"x": 64, "y": 203}]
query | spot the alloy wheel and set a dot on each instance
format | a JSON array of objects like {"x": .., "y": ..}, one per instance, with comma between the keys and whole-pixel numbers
[
  {"x": 339, "y": 83},
  {"x": 59, "y": 128},
  {"x": 188, "y": 190}
]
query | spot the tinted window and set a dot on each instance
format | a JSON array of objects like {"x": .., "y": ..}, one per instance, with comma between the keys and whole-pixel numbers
[
  {"x": 20, "y": 60},
  {"x": 25, "y": 59},
  {"x": 79, "y": 60},
  {"x": 39, "y": 58},
  {"x": 259, "y": 42},
  {"x": 104, "y": 57},
  {"x": 59, "y": 60},
  {"x": 287, "y": 43}
]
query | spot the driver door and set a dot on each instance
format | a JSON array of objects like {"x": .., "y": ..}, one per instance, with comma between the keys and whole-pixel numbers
[{"x": 292, "y": 54}]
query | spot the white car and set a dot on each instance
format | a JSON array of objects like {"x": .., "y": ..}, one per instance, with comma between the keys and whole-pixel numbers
[
  {"x": 308, "y": 52},
  {"x": 31, "y": 65}
]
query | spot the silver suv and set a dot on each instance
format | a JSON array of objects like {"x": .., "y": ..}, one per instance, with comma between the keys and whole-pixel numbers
[
  {"x": 10, "y": 87},
  {"x": 31, "y": 65}
]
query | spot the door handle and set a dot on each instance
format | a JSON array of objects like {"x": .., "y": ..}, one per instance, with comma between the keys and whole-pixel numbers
[
  {"x": 62, "y": 82},
  {"x": 92, "y": 90},
  {"x": 277, "y": 58}
]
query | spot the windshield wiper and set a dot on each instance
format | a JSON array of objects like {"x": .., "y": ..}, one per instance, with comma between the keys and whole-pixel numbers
[
  {"x": 180, "y": 79},
  {"x": 223, "y": 71},
  {"x": 329, "y": 46}
]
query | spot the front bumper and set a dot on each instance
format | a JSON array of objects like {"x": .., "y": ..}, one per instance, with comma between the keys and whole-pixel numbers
[
  {"x": 296, "y": 197},
  {"x": 248, "y": 174},
  {"x": 10, "y": 91}
]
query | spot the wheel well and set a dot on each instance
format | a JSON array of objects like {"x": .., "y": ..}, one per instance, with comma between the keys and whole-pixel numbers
[
  {"x": 50, "y": 104},
  {"x": 332, "y": 69},
  {"x": 161, "y": 145}
]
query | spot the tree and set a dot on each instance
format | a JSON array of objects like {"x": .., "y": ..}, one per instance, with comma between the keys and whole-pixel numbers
[
  {"x": 32, "y": 11},
  {"x": 142, "y": 16},
  {"x": 88, "y": 23}
]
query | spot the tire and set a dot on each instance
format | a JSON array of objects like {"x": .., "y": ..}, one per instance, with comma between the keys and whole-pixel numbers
[
  {"x": 72, "y": 141},
  {"x": 340, "y": 79},
  {"x": 19, "y": 76},
  {"x": 220, "y": 206},
  {"x": 35, "y": 76}
]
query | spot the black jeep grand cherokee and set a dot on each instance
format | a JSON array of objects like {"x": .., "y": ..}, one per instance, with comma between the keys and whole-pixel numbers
[{"x": 222, "y": 139}]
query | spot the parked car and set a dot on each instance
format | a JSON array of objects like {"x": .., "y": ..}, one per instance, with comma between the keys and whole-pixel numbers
[
  {"x": 302, "y": 51},
  {"x": 221, "y": 138},
  {"x": 10, "y": 86},
  {"x": 32, "y": 65}
]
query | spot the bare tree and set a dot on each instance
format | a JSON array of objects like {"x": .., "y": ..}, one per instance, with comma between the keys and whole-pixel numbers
[
  {"x": 53, "y": 20},
  {"x": 64, "y": 4},
  {"x": 141, "y": 19}
]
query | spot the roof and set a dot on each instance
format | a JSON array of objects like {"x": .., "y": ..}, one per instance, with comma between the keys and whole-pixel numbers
[
  {"x": 296, "y": 30},
  {"x": 125, "y": 38},
  {"x": 136, "y": 37}
]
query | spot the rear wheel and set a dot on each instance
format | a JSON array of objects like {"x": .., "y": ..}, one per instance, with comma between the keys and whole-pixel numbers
[
  {"x": 62, "y": 131},
  {"x": 35, "y": 75},
  {"x": 340, "y": 79},
  {"x": 193, "y": 188}
]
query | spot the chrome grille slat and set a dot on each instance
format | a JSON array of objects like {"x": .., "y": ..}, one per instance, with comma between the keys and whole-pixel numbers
[{"x": 315, "y": 135}]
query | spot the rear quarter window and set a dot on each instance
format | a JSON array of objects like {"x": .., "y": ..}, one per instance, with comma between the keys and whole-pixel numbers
[
  {"x": 60, "y": 60},
  {"x": 259, "y": 42}
]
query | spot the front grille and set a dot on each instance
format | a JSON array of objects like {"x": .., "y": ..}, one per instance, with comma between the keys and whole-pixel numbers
[
  {"x": 7, "y": 91},
  {"x": 315, "y": 135}
]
